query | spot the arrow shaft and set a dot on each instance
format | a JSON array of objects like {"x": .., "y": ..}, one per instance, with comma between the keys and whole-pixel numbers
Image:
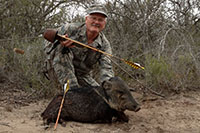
[
  {"x": 61, "y": 105},
  {"x": 100, "y": 51},
  {"x": 90, "y": 47}
]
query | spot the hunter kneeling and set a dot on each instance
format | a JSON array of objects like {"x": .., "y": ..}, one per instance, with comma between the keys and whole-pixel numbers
[{"x": 66, "y": 60}]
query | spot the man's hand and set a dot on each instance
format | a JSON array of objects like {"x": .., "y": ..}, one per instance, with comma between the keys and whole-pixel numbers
[{"x": 67, "y": 43}]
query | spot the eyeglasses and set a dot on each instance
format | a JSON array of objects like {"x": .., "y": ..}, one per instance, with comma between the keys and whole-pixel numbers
[{"x": 97, "y": 19}]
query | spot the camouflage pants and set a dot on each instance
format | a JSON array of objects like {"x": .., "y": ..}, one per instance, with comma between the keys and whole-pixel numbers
[{"x": 61, "y": 69}]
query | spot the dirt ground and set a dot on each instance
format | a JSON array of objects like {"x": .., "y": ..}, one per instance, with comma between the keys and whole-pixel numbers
[{"x": 175, "y": 114}]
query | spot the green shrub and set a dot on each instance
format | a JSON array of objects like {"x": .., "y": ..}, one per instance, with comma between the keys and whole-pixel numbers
[
  {"x": 26, "y": 70},
  {"x": 159, "y": 73},
  {"x": 166, "y": 75}
]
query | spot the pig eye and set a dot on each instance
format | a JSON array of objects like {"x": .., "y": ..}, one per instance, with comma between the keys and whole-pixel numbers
[
  {"x": 120, "y": 91},
  {"x": 121, "y": 96}
]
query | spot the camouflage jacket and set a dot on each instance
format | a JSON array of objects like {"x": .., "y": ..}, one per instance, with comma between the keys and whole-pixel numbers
[{"x": 83, "y": 59}]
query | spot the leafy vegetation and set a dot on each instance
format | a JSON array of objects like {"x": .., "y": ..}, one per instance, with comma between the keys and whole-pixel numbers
[{"x": 162, "y": 35}]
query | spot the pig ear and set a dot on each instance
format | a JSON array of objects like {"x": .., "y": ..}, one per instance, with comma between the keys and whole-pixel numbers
[
  {"x": 132, "y": 89},
  {"x": 107, "y": 85}
]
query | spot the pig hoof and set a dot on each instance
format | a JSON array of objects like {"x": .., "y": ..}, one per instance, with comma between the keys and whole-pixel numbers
[
  {"x": 122, "y": 117},
  {"x": 63, "y": 123}
]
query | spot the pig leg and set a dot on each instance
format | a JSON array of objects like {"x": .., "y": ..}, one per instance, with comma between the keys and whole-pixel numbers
[
  {"x": 122, "y": 117},
  {"x": 50, "y": 113}
]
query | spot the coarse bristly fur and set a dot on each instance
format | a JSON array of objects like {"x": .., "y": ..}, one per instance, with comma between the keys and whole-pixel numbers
[{"x": 86, "y": 105}]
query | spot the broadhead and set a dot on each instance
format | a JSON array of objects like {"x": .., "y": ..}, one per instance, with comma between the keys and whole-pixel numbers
[{"x": 19, "y": 51}]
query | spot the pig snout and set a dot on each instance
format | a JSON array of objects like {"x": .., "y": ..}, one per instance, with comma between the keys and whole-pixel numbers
[{"x": 134, "y": 108}]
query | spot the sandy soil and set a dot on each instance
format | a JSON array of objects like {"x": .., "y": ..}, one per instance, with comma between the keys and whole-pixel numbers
[{"x": 175, "y": 114}]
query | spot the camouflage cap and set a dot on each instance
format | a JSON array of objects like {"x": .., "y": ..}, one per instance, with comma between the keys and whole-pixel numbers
[{"x": 97, "y": 9}]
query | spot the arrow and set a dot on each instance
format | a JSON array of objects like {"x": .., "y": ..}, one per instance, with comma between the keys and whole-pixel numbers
[
  {"x": 52, "y": 35},
  {"x": 66, "y": 88}
]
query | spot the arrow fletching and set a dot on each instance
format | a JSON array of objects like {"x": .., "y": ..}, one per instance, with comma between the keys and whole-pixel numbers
[
  {"x": 52, "y": 35},
  {"x": 66, "y": 86},
  {"x": 134, "y": 65}
]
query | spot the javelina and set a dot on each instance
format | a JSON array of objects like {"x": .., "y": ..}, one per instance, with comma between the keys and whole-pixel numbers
[{"x": 94, "y": 104}]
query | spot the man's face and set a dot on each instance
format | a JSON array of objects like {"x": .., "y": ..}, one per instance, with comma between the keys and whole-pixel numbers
[{"x": 95, "y": 22}]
